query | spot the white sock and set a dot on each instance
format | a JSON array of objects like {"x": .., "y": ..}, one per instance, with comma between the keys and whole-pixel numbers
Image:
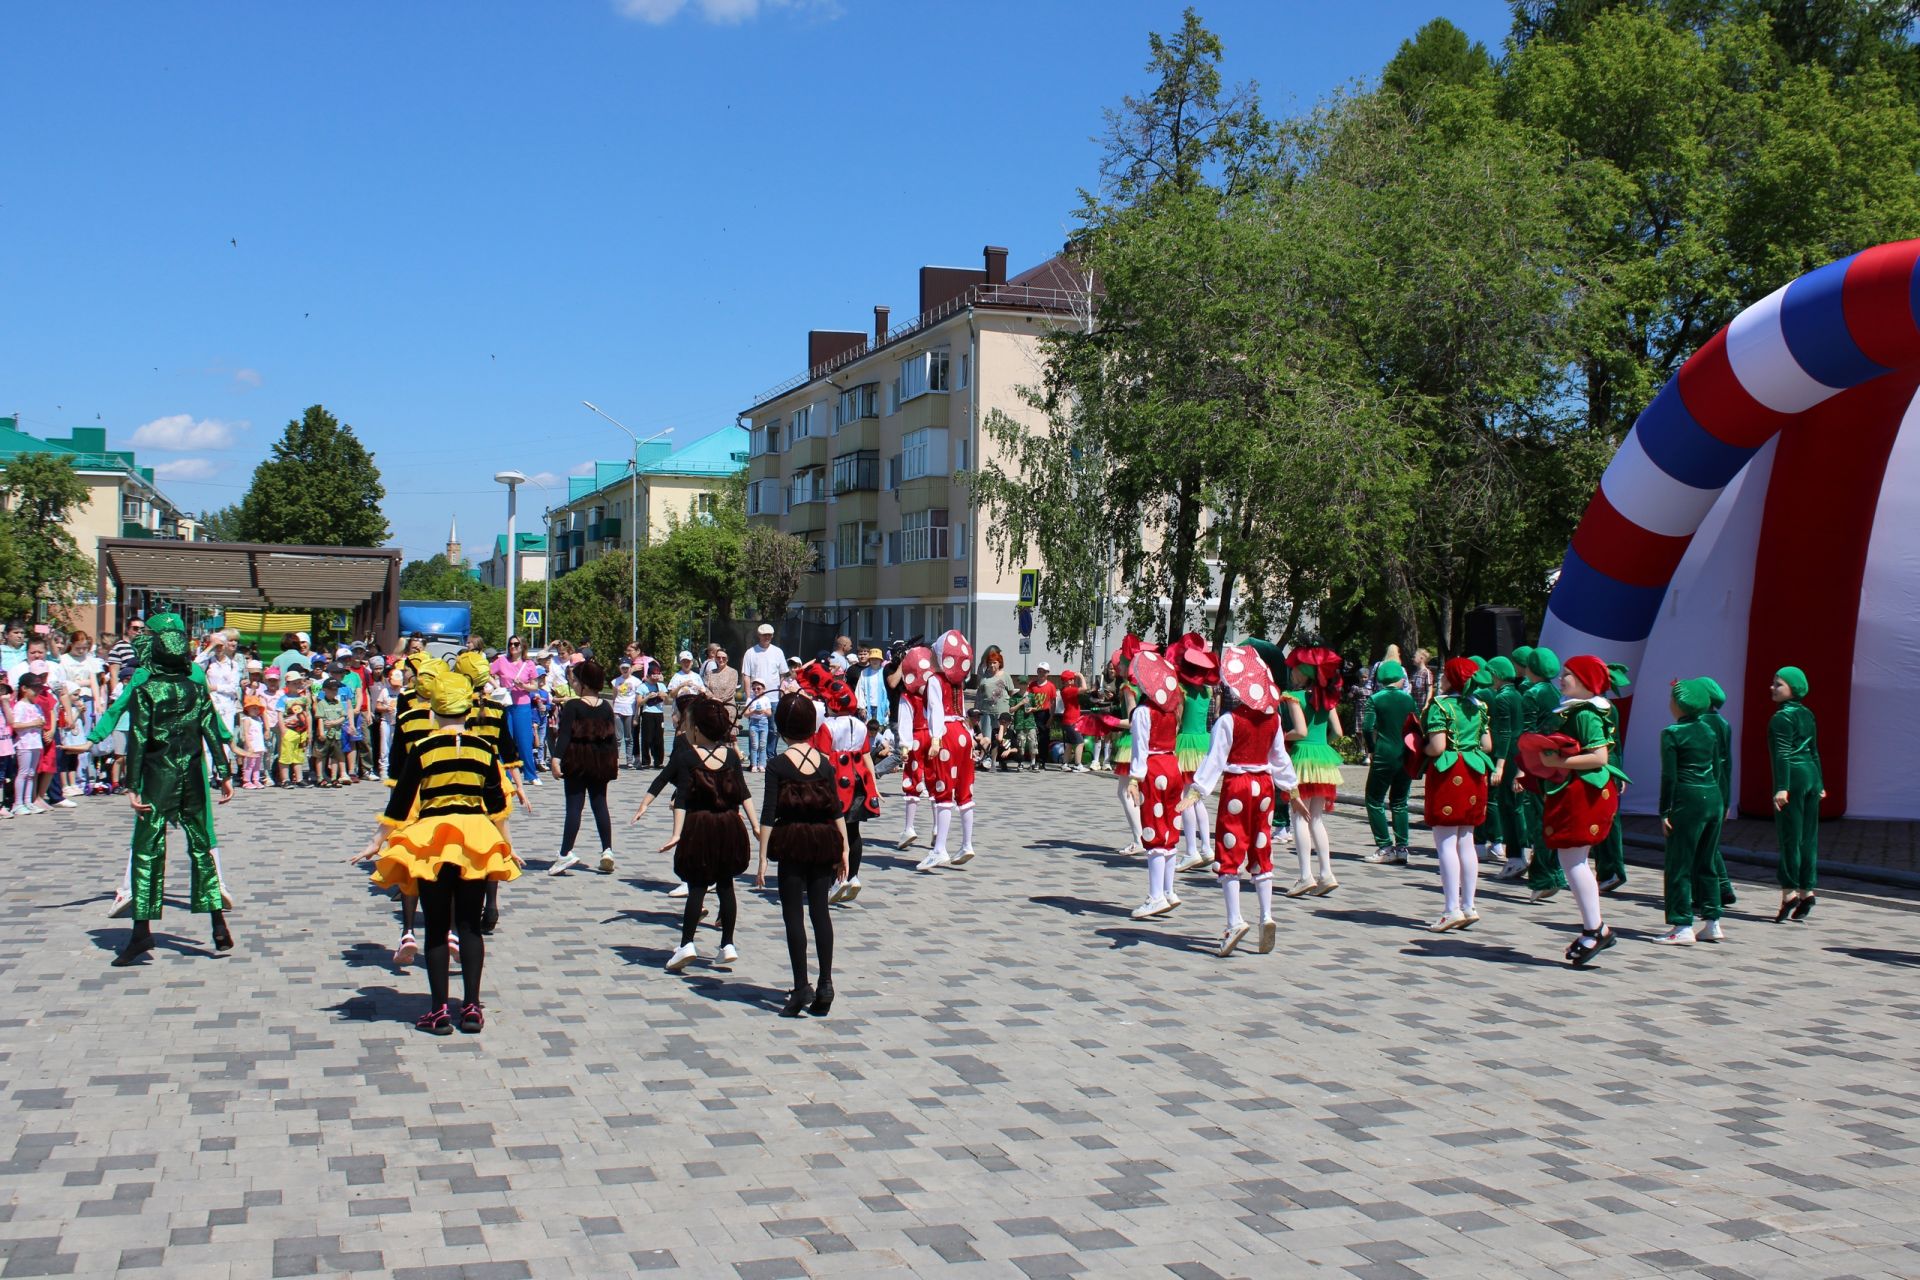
[
  {"x": 126, "y": 878},
  {"x": 1469, "y": 869},
  {"x": 942, "y": 819},
  {"x": 1303, "y": 846},
  {"x": 1155, "y": 861},
  {"x": 1204, "y": 825},
  {"x": 1133, "y": 810},
  {"x": 907, "y": 806},
  {"x": 1230, "y": 890},
  {"x": 1446, "y": 847},
  {"x": 1586, "y": 888},
  {"x": 966, "y": 828},
  {"x": 1263, "y": 888}
]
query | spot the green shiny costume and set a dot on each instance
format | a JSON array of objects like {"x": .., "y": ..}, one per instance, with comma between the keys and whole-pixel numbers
[
  {"x": 1383, "y": 724},
  {"x": 172, "y": 731},
  {"x": 1691, "y": 803},
  {"x": 1506, "y": 714},
  {"x": 160, "y": 624},
  {"x": 1794, "y": 745},
  {"x": 1723, "y": 770},
  {"x": 1610, "y": 855},
  {"x": 1541, "y": 702}
]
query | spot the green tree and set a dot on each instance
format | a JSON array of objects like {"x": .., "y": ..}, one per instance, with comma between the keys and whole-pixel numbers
[
  {"x": 222, "y": 525},
  {"x": 593, "y": 605},
  {"x": 772, "y": 567},
  {"x": 436, "y": 578},
  {"x": 40, "y": 564},
  {"x": 1439, "y": 54},
  {"x": 318, "y": 487}
]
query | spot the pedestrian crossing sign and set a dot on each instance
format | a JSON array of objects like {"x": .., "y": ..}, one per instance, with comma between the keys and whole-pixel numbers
[
  {"x": 529, "y": 618},
  {"x": 1029, "y": 588}
]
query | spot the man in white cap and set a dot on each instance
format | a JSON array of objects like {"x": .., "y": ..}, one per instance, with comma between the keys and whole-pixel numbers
[{"x": 763, "y": 660}]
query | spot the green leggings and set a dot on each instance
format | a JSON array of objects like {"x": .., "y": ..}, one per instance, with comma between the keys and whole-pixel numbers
[
  {"x": 1387, "y": 796},
  {"x": 1693, "y": 867},
  {"x": 1544, "y": 871},
  {"x": 1798, "y": 829}
]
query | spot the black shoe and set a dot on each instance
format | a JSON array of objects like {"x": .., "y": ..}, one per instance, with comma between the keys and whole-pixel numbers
[
  {"x": 138, "y": 945},
  {"x": 796, "y": 1001},
  {"x": 1588, "y": 945},
  {"x": 489, "y": 921},
  {"x": 822, "y": 1001},
  {"x": 438, "y": 1022},
  {"x": 1786, "y": 909},
  {"x": 473, "y": 1019},
  {"x": 222, "y": 940},
  {"x": 1803, "y": 908}
]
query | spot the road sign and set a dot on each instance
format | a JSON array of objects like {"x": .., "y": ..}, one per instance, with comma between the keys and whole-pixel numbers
[
  {"x": 530, "y": 618},
  {"x": 1029, "y": 588},
  {"x": 1026, "y": 622},
  {"x": 339, "y": 622},
  {"x": 1026, "y": 644}
]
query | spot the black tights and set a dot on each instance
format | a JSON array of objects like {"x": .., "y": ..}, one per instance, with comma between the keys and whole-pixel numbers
[
  {"x": 803, "y": 894},
  {"x": 697, "y": 898},
  {"x": 451, "y": 904},
  {"x": 578, "y": 795},
  {"x": 854, "y": 841}
]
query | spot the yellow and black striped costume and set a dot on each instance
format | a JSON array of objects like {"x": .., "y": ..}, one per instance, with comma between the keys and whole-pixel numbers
[
  {"x": 445, "y": 809},
  {"x": 413, "y": 720}
]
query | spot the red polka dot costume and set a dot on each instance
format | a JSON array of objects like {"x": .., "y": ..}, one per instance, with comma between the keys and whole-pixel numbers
[
  {"x": 1155, "y": 726},
  {"x": 911, "y": 734},
  {"x": 949, "y": 749},
  {"x": 1248, "y": 764}
]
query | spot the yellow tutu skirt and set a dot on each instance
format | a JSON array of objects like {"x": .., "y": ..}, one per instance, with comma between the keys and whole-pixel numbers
[{"x": 420, "y": 849}]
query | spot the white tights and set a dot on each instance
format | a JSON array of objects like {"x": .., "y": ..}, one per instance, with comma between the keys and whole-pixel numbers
[
  {"x": 1132, "y": 809},
  {"x": 1159, "y": 873},
  {"x": 966, "y": 828},
  {"x": 1310, "y": 839},
  {"x": 1459, "y": 866},
  {"x": 907, "y": 805},
  {"x": 1198, "y": 830},
  {"x": 1585, "y": 885}
]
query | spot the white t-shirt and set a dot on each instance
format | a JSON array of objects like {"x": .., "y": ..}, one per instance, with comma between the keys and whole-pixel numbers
[
  {"x": 81, "y": 674},
  {"x": 767, "y": 665},
  {"x": 625, "y": 689},
  {"x": 56, "y": 678}
]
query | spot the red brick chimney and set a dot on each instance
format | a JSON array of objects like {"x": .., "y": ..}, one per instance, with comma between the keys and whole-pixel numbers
[
  {"x": 996, "y": 264},
  {"x": 880, "y": 315}
]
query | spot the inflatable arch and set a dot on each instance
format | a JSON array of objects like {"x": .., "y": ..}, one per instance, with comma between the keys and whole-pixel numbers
[{"x": 1765, "y": 510}]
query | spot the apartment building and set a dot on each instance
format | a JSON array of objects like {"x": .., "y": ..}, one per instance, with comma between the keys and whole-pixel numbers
[
  {"x": 597, "y": 517},
  {"x": 866, "y": 455}
]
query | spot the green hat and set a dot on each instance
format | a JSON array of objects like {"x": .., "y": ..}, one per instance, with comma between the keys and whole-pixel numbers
[
  {"x": 1501, "y": 666},
  {"x": 1692, "y": 696},
  {"x": 1389, "y": 672},
  {"x": 1270, "y": 653},
  {"x": 1716, "y": 696},
  {"x": 1523, "y": 657},
  {"x": 1544, "y": 663},
  {"x": 1482, "y": 678},
  {"x": 1796, "y": 680},
  {"x": 1621, "y": 677}
]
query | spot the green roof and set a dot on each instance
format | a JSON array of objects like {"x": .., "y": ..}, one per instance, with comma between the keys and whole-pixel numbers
[
  {"x": 719, "y": 453},
  {"x": 85, "y": 447},
  {"x": 530, "y": 543}
]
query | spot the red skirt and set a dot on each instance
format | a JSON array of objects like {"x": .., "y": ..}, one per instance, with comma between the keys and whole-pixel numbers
[
  {"x": 1579, "y": 814},
  {"x": 1456, "y": 798}
]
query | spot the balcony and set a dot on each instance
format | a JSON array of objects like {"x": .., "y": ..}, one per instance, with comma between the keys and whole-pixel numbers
[
  {"x": 855, "y": 436},
  {"x": 857, "y": 506},
  {"x": 808, "y": 452},
  {"x": 927, "y": 578},
  {"x": 813, "y": 589},
  {"x": 766, "y": 466},
  {"x": 607, "y": 530},
  {"x": 926, "y": 493},
  {"x": 854, "y": 583},
  {"x": 929, "y": 410}
]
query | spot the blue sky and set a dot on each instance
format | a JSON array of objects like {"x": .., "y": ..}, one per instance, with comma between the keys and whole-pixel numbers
[{"x": 449, "y": 223}]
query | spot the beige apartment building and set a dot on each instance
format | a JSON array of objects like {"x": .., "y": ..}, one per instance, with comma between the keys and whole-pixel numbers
[
  {"x": 671, "y": 483},
  {"x": 866, "y": 455}
]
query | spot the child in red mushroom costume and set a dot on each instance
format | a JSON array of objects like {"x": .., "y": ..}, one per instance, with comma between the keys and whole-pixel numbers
[
  {"x": 1193, "y": 662},
  {"x": 1153, "y": 776},
  {"x": 949, "y": 751},
  {"x": 1247, "y": 760},
  {"x": 841, "y": 737},
  {"x": 910, "y": 732}
]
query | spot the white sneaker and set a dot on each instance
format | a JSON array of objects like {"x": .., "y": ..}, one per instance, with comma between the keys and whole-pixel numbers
[
  {"x": 606, "y": 862},
  {"x": 64, "y": 803},
  {"x": 404, "y": 953},
  {"x": 1150, "y": 908},
  {"x": 1231, "y": 938},
  {"x": 538, "y": 781},
  {"x": 1469, "y": 918},
  {"x": 1325, "y": 887},
  {"x": 1544, "y": 895},
  {"x": 839, "y": 893},
  {"x": 853, "y": 890},
  {"x": 729, "y": 954},
  {"x": 1173, "y": 900},
  {"x": 122, "y": 906},
  {"x": 907, "y": 839},
  {"x": 1192, "y": 861},
  {"x": 1400, "y": 856},
  {"x": 1300, "y": 888},
  {"x": 1269, "y": 931},
  {"x": 564, "y": 865},
  {"x": 682, "y": 958},
  {"x": 678, "y": 891},
  {"x": 1515, "y": 868},
  {"x": 1134, "y": 849},
  {"x": 963, "y": 857},
  {"x": 933, "y": 861},
  {"x": 1708, "y": 931},
  {"x": 1451, "y": 920},
  {"x": 1681, "y": 935},
  {"x": 1380, "y": 857}
]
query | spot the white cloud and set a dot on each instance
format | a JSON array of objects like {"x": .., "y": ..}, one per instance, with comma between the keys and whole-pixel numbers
[
  {"x": 584, "y": 469},
  {"x": 547, "y": 479},
  {"x": 247, "y": 377},
  {"x": 188, "y": 469},
  {"x": 182, "y": 432},
  {"x": 725, "y": 13}
]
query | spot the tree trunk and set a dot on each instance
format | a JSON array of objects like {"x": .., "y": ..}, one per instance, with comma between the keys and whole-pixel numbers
[
  {"x": 1185, "y": 518},
  {"x": 1229, "y": 576}
]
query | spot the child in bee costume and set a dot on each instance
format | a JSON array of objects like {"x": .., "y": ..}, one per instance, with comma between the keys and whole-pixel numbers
[{"x": 1247, "y": 761}]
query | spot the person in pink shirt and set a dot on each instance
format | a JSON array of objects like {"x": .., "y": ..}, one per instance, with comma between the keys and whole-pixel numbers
[{"x": 519, "y": 676}]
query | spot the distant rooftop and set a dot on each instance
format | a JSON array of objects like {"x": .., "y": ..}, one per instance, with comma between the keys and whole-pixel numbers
[
  {"x": 530, "y": 543},
  {"x": 720, "y": 453}
]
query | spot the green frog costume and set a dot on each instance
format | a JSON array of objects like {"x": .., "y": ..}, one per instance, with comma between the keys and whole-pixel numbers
[
  {"x": 1693, "y": 807},
  {"x": 1382, "y": 726},
  {"x": 1793, "y": 744}
]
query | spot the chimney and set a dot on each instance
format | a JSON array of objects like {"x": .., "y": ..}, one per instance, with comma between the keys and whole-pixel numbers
[
  {"x": 880, "y": 324},
  {"x": 996, "y": 264}
]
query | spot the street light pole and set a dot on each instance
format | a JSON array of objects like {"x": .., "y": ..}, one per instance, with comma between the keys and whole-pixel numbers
[
  {"x": 546, "y": 577},
  {"x": 633, "y": 511},
  {"x": 513, "y": 480}
]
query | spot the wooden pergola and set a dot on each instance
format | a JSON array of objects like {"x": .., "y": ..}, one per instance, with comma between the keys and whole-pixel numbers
[{"x": 361, "y": 581}]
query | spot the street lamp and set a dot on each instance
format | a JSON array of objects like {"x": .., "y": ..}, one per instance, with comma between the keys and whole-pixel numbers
[
  {"x": 633, "y": 509},
  {"x": 513, "y": 480}
]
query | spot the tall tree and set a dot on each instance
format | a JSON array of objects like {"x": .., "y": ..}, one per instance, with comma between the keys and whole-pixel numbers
[
  {"x": 772, "y": 566},
  {"x": 222, "y": 525},
  {"x": 318, "y": 487},
  {"x": 40, "y": 564},
  {"x": 1439, "y": 54}
]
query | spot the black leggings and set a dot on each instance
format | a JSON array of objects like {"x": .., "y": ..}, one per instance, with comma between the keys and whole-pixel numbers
[
  {"x": 854, "y": 842},
  {"x": 697, "y": 898},
  {"x": 451, "y": 904},
  {"x": 803, "y": 894},
  {"x": 653, "y": 740},
  {"x": 578, "y": 794}
]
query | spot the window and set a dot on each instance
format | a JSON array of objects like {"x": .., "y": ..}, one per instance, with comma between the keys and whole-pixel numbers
[
  {"x": 763, "y": 498},
  {"x": 856, "y": 403},
  {"x": 800, "y": 426},
  {"x": 923, "y": 453},
  {"x": 966, "y": 368},
  {"x": 703, "y": 505},
  {"x": 960, "y": 547},
  {"x": 893, "y": 473},
  {"x": 857, "y": 544},
  {"x": 818, "y": 545},
  {"x": 959, "y": 455},
  {"x": 857, "y": 472},
  {"x": 807, "y": 486},
  {"x": 923, "y": 373},
  {"x": 130, "y": 510},
  {"x": 923, "y": 536}
]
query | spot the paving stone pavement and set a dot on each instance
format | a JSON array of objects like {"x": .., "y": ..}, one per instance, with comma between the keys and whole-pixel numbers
[{"x": 1017, "y": 1079}]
